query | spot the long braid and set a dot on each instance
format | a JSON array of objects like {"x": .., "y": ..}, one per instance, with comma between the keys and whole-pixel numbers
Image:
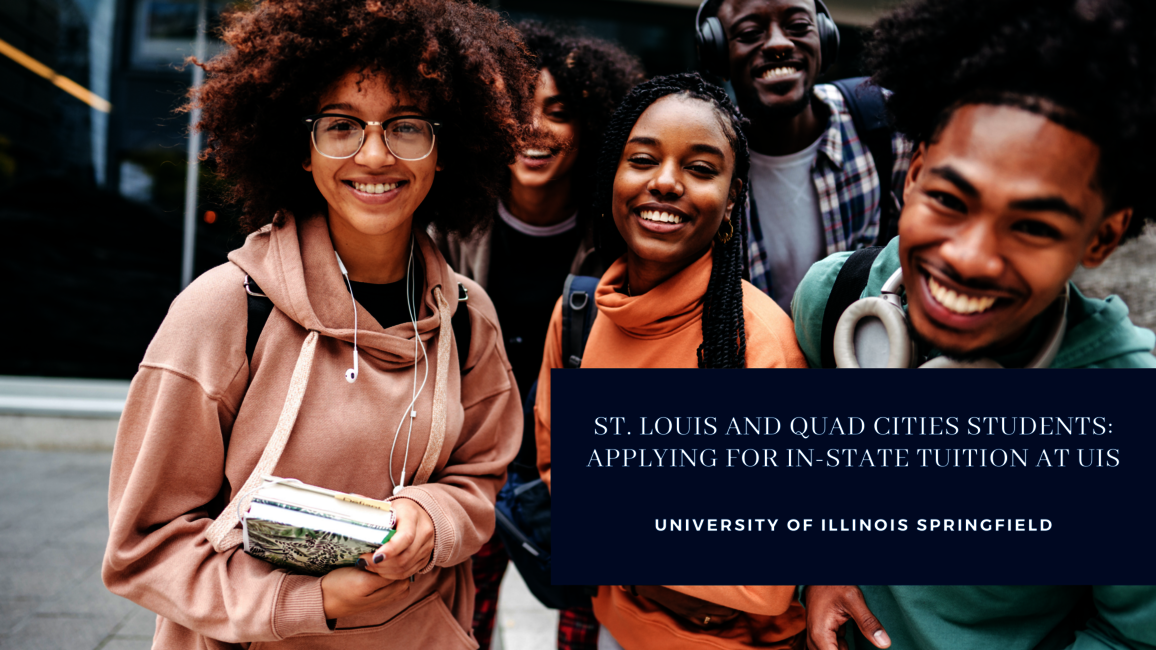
[{"x": 724, "y": 340}]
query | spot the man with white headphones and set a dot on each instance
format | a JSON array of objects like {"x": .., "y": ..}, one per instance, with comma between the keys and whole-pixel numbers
[
  {"x": 1034, "y": 140},
  {"x": 823, "y": 159}
]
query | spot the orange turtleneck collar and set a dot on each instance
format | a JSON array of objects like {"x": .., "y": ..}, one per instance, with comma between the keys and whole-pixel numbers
[{"x": 667, "y": 308}]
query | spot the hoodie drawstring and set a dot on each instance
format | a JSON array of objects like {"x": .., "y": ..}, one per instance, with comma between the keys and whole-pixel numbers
[
  {"x": 223, "y": 533},
  {"x": 437, "y": 430}
]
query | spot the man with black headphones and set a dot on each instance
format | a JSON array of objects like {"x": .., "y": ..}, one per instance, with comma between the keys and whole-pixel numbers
[
  {"x": 1020, "y": 174},
  {"x": 823, "y": 159}
]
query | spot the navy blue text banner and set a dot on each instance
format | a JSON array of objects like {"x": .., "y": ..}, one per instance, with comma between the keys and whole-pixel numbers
[{"x": 871, "y": 477}]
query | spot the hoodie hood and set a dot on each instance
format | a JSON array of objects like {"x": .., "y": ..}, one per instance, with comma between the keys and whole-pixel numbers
[
  {"x": 1101, "y": 334},
  {"x": 295, "y": 266}
]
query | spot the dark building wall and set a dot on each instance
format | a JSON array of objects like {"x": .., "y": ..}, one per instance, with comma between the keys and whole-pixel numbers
[{"x": 90, "y": 268}]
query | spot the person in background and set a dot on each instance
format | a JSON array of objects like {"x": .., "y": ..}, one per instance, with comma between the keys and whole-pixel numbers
[
  {"x": 541, "y": 234},
  {"x": 345, "y": 128},
  {"x": 669, "y": 192},
  {"x": 815, "y": 187}
]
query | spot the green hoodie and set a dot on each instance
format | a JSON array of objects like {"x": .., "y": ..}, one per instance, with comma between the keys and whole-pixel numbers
[
  {"x": 1013, "y": 617},
  {"x": 1099, "y": 333}
]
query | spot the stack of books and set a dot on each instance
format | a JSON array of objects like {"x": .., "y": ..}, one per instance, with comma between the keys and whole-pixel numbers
[{"x": 312, "y": 530}]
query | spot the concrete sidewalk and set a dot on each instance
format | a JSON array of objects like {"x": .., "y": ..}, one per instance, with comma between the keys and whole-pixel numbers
[
  {"x": 53, "y": 529},
  {"x": 50, "y": 413}
]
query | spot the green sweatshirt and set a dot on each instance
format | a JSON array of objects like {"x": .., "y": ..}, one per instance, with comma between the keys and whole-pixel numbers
[
  {"x": 1013, "y": 618},
  {"x": 1099, "y": 333}
]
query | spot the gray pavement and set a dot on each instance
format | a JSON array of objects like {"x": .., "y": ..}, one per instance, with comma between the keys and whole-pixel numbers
[{"x": 53, "y": 529}]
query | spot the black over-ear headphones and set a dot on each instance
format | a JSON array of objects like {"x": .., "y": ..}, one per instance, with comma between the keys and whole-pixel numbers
[{"x": 714, "y": 55}]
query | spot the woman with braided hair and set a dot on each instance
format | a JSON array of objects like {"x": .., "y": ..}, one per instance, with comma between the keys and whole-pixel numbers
[{"x": 669, "y": 187}]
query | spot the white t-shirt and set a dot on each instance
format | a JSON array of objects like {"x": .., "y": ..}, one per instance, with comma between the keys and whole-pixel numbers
[
  {"x": 788, "y": 209},
  {"x": 532, "y": 230}
]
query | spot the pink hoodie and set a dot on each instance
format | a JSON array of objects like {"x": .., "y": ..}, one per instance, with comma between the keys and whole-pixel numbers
[{"x": 198, "y": 418}]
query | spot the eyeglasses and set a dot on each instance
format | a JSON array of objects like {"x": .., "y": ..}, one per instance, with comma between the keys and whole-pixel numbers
[{"x": 407, "y": 137}]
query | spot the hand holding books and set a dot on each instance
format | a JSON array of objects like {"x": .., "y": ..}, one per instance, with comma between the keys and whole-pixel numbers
[
  {"x": 310, "y": 529},
  {"x": 349, "y": 590},
  {"x": 408, "y": 551}
]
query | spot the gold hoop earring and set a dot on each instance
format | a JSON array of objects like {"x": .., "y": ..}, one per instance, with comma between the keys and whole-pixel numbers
[{"x": 723, "y": 239}]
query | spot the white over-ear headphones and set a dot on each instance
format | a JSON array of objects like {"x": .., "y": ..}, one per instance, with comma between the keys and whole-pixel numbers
[
  {"x": 351, "y": 374},
  {"x": 872, "y": 333}
]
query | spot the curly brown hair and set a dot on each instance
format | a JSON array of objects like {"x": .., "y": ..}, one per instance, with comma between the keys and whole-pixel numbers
[
  {"x": 593, "y": 75},
  {"x": 461, "y": 61}
]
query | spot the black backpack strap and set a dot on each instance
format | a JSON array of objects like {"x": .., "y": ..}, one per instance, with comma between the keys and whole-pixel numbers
[
  {"x": 460, "y": 322},
  {"x": 868, "y": 110},
  {"x": 578, "y": 314},
  {"x": 847, "y": 289},
  {"x": 259, "y": 309}
]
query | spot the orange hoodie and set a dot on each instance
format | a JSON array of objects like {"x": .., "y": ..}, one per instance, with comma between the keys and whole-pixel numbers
[
  {"x": 198, "y": 418},
  {"x": 663, "y": 329}
]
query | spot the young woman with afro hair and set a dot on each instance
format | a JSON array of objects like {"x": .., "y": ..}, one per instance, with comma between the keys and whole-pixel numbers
[
  {"x": 345, "y": 129},
  {"x": 668, "y": 195},
  {"x": 542, "y": 233}
]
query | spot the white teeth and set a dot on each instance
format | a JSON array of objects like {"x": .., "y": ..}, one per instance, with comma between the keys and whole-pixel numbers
[
  {"x": 536, "y": 153},
  {"x": 664, "y": 217},
  {"x": 375, "y": 188},
  {"x": 959, "y": 303},
  {"x": 777, "y": 72}
]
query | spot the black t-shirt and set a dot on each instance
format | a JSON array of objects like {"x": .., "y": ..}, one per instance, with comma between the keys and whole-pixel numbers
[
  {"x": 525, "y": 279},
  {"x": 386, "y": 302}
]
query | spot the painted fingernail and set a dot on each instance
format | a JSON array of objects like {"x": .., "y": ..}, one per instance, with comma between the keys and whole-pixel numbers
[
  {"x": 361, "y": 564},
  {"x": 378, "y": 558},
  {"x": 881, "y": 639}
]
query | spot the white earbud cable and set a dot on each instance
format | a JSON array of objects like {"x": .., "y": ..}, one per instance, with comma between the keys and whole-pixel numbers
[
  {"x": 415, "y": 392},
  {"x": 419, "y": 353},
  {"x": 351, "y": 374}
]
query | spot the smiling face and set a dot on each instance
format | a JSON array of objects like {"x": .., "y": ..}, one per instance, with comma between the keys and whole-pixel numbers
[
  {"x": 774, "y": 54},
  {"x": 552, "y": 157},
  {"x": 372, "y": 193},
  {"x": 674, "y": 186},
  {"x": 998, "y": 212}
]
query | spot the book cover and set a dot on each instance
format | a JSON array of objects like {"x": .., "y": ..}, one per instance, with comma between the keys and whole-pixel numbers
[{"x": 312, "y": 530}]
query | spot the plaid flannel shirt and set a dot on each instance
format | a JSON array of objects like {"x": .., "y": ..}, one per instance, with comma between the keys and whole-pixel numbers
[{"x": 847, "y": 184}]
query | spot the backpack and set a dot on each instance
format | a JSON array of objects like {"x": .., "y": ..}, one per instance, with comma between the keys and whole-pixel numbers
[
  {"x": 523, "y": 507},
  {"x": 260, "y": 307},
  {"x": 848, "y": 286},
  {"x": 868, "y": 110}
]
